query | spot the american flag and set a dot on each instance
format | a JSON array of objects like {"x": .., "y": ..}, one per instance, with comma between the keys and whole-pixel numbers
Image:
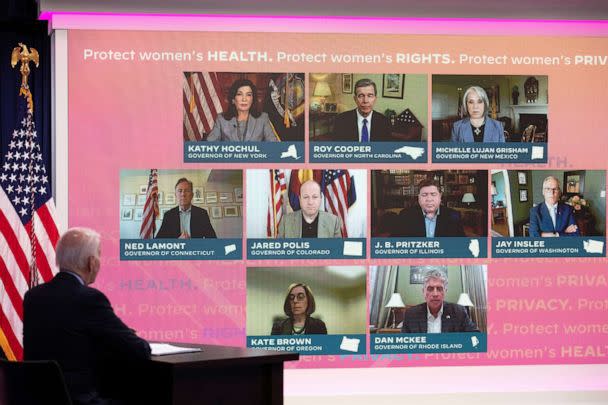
[
  {"x": 151, "y": 211},
  {"x": 203, "y": 101},
  {"x": 338, "y": 187},
  {"x": 28, "y": 228},
  {"x": 275, "y": 201}
]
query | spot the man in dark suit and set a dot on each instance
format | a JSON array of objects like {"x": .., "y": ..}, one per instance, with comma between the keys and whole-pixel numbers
[
  {"x": 552, "y": 218},
  {"x": 436, "y": 315},
  {"x": 429, "y": 219},
  {"x": 186, "y": 220},
  {"x": 68, "y": 321},
  {"x": 362, "y": 124}
]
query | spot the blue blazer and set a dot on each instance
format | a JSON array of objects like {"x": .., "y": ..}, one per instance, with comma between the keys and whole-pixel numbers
[
  {"x": 540, "y": 220},
  {"x": 493, "y": 131}
]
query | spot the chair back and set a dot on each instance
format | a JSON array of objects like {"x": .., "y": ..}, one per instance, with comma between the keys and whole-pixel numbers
[{"x": 32, "y": 383}]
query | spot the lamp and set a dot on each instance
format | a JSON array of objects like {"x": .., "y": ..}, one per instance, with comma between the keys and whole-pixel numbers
[
  {"x": 395, "y": 302},
  {"x": 468, "y": 198},
  {"x": 465, "y": 301},
  {"x": 322, "y": 90}
]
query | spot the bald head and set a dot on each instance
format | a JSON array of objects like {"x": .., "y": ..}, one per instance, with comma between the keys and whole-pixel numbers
[{"x": 78, "y": 250}]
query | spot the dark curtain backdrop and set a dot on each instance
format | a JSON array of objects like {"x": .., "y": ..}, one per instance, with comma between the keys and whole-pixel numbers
[{"x": 34, "y": 35}]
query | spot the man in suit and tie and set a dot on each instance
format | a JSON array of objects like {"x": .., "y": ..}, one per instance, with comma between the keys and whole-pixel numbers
[
  {"x": 362, "y": 124},
  {"x": 552, "y": 218},
  {"x": 429, "y": 218},
  {"x": 436, "y": 315},
  {"x": 67, "y": 321},
  {"x": 186, "y": 220}
]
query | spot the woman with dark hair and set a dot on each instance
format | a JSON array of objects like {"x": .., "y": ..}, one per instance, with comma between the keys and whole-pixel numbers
[
  {"x": 477, "y": 126},
  {"x": 242, "y": 122},
  {"x": 298, "y": 306}
]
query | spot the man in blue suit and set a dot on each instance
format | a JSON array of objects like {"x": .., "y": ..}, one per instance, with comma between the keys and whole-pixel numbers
[{"x": 552, "y": 218}]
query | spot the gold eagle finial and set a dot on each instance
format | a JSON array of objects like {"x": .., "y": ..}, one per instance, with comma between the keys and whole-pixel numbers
[{"x": 25, "y": 56}]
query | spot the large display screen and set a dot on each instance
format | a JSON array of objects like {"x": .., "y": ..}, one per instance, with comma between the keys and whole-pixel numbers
[{"x": 365, "y": 200}]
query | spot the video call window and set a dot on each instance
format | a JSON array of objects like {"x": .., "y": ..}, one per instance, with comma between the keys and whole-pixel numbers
[
  {"x": 490, "y": 108},
  {"x": 337, "y": 292},
  {"x": 243, "y": 107},
  {"x": 457, "y": 198},
  {"x": 292, "y": 203},
  {"x": 397, "y": 103},
  {"x": 520, "y": 201},
  {"x": 214, "y": 199},
  {"x": 399, "y": 298}
]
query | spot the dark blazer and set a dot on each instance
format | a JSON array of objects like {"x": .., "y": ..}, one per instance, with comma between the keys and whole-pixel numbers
[
  {"x": 347, "y": 130},
  {"x": 75, "y": 325},
  {"x": 200, "y": 225},
  {"x": 411, "y": 223},
  {"x": 258, "y": 129},
  {"x": 453, "y": 319},
  {"x": 540, "y": 220},
  {"x": 313, "y": 327},
  {"x": 493, "y": 131}
]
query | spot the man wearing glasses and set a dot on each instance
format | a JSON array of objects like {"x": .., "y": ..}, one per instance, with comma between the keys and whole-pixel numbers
[
  {"x": 429, "y": 218},
  {"x": 435, "y": 315},
  {"x": 552, "y": 218}
]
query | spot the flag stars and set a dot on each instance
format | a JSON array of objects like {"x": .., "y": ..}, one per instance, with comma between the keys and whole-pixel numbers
[
  {"x": 23, "y": 212},
  {"x": 3, "y": 177},
  {"x": 27, "y": 190},
  {"x": 37, "y": 168},
  {"x": 10, "y": 189},
  {"x": 19, "y": 144},
  {"x": 16, "y": 200},
  {"x": 12, "y": 177},
  {"x": 19, "y": 189},
  {"x": 42, "y": 190},
  {"x": 44, "y": 180},
  {"x": 23, "y": 167},
  {"x": 25, "y": 200}
]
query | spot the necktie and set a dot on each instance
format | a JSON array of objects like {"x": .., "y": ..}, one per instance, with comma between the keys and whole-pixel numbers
[
  {"x": 555, "y": 216},
  {"x": 364, "y": 131}
]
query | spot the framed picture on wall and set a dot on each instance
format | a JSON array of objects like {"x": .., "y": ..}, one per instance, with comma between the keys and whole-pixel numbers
[
  {"x": 226, "y": 197},
  {"x": 238, "y": 194},
  {"x": 574, "y": 182},
  {"x": 170, "y": 199},
  {"x": 128, "y": 199},
  {"x": 523, "y": 195},
  {"x": 139, "y": 213},
  {"x": 143, "y": 189},
  {"x": 211, "y": 197},
  {"x": 231, "y": 211},
  {"x": 198, "y": 196},
  {"x": 126, "y": 214},
  {"x": 522, "y": 178},
  {"x": 417, "y": 273},
  {"x": 347, "y": 83},
  {"x": 392, "y": 85},
  {"x": 216, "y": 212}
]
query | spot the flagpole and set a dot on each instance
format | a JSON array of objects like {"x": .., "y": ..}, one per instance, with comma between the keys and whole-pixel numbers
[{"x": 23, "y": 55}]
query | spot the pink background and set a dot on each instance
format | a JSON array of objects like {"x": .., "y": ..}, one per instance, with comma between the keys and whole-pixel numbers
[{"x": 128, "y": 115}]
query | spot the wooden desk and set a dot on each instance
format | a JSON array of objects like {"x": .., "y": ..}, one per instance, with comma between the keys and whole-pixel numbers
[{"x": 216, "y": 375}]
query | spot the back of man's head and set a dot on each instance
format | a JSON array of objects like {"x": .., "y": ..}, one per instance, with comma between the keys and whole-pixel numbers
[{"x": 75, "y": 247}]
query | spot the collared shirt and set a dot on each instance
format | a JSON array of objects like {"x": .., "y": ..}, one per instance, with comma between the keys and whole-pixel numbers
[
  {"x": 184, "y": 220},
  {"x": 430, "y": 224},
  {"x": 360, "y": 124},
  {"x": 552, "y": 212},
  {"x": 310, "y": 230},
  {"x": 77, "y": 276},
  {"x": 433, "y": 325}
]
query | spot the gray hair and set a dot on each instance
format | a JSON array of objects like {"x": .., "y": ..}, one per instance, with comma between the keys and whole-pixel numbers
[
  {"x": 75, "y": 247},
  {"x": 551, "y": 178},
  {"x": 434, "y": 273},
  {"x": 364, "y": 83},
  {"x": 482, "y": 94}
]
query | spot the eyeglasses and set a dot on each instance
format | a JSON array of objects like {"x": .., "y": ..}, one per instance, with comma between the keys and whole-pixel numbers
[
  {"x": 297, "y": 297},
  {"x": 553, "y": 190}
]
